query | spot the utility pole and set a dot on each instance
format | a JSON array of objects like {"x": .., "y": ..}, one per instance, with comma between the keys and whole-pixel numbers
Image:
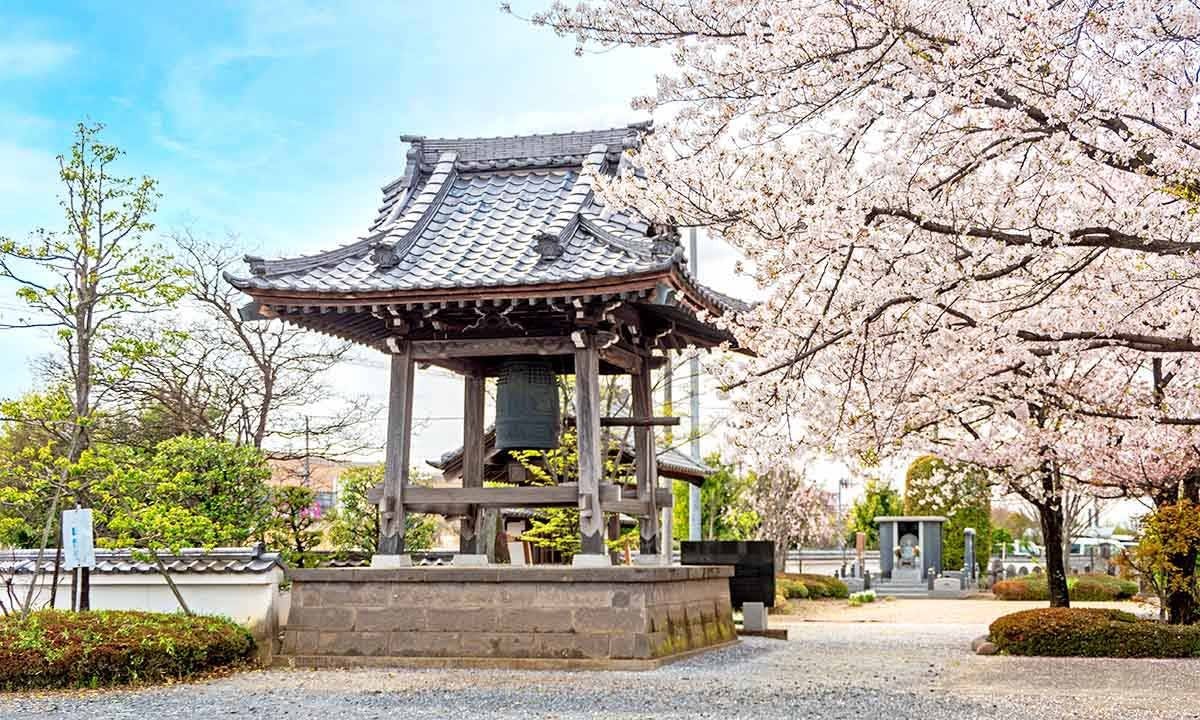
[
  {"x": 694, "y": 505},
  {"x": 307, "y": 464},
  {"x": 668, "y": 513}
]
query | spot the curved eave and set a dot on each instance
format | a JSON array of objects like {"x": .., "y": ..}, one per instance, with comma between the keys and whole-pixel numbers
[{"x": 599, "y": 286}]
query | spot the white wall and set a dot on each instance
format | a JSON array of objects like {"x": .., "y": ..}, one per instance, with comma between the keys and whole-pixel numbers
[{"x": 251, "y": 600}]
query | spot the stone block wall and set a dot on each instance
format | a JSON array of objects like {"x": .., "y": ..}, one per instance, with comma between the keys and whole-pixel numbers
[{"x": 620, "y": 613}]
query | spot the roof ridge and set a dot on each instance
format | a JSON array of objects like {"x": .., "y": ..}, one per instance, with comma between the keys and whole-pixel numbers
[
  {"x": 400, "y": 236},
  {"x": 643, "y": 125}
]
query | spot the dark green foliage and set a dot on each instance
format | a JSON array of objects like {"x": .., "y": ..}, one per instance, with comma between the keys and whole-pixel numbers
[
  {"x": 55, "y": 649},
  {"x": 959, "y": 493},
  {"x": 1092, "y": 632},
  {"x": 816, "y": 586},
  {"x": 1085, "y": 588},
  {"x": 725, "y": 512},
  {"x": 879, "y": 499}
]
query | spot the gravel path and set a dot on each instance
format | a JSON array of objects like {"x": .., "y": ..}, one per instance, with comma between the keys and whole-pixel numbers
[{"x": 827, "y": 670}]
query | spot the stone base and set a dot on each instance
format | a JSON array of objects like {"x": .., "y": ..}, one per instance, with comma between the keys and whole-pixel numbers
[
  {"x": 470, "y": 560},
  {"x": 590, "y": 561},
  {"x": 446, "y": 616},
  {"x": 391, "y": 561}
]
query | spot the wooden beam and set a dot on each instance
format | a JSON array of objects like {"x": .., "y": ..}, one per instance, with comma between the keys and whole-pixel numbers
[
  {"x": 431, "y": 350},
  {"x": 399, "y": 442},
  {"x": 646, "y": 462},
  {"x": 565, "y": 495},
  {"x": 629, "y": 421},
  {"x": 623, "y": 358},
  {"x": 473, "y": 432},
  {"x": 591, "y": 462},
  {"x": 637, "y": 508}
]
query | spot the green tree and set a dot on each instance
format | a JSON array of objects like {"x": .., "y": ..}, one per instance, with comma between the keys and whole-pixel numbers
[
  {"x": 294, "y": 527},
  {"x": 1166, "y": 556},
  {"x": 963, "y": 495},
  {"x": 879, "y": 499},
  {"x": 354, "y": 526},
  {"x": 558, "y": 528},
  {"x": 79, "y": 282},
  {"x": 724, "y": 500}
]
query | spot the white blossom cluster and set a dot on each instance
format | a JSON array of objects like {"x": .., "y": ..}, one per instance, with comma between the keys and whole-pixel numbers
[{"x": 977, "y": 219}]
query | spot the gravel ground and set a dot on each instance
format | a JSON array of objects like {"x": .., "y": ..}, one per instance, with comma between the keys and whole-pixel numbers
[{"x": 827, "y": 670}]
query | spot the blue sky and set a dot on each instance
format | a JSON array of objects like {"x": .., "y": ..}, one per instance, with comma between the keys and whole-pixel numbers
[{"x": 280, "y": 121}]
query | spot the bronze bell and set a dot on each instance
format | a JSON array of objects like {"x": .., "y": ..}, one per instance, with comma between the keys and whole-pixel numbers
[{"x": 526, "y": 405}]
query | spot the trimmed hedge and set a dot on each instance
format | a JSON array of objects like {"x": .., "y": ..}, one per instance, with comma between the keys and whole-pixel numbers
[
  {"x": 1085, "y": 588},
  {"x": 816, "y": 586},
  {"x": 791, "y": 589},
  {"x": 1092, "y": 632},
  {"x": 56, "y": 649}
]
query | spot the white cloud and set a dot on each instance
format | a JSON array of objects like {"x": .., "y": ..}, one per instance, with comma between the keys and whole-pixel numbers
[{"x": 29, "y": 58}]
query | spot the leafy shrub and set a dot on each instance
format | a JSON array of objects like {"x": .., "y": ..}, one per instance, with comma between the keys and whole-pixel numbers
[
  {"x": 1086, "y": 588},
  {"x": 55, "y": 649},
  {"x": 1092, "y": 632},
  {"x": 818, "y": 586},
  {"x": 862, "y": 598},
  {"x": 792, "y": 589}
]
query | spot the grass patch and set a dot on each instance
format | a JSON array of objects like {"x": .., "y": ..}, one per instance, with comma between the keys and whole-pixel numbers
[
  {"x": 1092, "y": 632},
  {"x": 56, "y": 649}
]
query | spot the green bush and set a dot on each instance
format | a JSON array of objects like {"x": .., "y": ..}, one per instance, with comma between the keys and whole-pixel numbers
[
  {"x": 1092, "y": 632},
  {"x": 792, "y": 589},
  {"x": 56, "y": 649},
  {"x": 817, "y": 586},
  {"x": 1085, "y": 588}
]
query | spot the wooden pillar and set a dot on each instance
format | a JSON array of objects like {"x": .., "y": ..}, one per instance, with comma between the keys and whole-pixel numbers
[
  {"x": 645, "y": 462},
  {"x": 472, "y": 524},
  {"x": 591, "y": 466},
  {"x": 399, "y": 443}
]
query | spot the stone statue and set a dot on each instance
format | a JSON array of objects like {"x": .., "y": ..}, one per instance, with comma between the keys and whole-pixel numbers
[{"x": 909, "y": 552}]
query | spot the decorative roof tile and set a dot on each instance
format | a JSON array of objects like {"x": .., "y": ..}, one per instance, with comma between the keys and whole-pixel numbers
[{"x": 251, "y": 560}]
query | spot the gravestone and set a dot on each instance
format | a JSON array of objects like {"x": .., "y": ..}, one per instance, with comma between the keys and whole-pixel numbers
[
  {"x": 753, "y": 564},
  {"x": 969, "y": 578}
]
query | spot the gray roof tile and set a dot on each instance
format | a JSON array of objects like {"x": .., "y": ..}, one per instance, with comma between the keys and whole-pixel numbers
[
  {"x": 468, "y": 212},
  {"x": 251, "y": 560}
]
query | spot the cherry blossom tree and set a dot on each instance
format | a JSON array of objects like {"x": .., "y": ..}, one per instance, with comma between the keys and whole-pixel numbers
[
  {"x": 791, "y": 510},
  {"x": 976, "y": 220}
]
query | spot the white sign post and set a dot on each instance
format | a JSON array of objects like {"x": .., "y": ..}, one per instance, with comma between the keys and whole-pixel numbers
[
  {"x": 79, "y": 548},
  {"x": 79, "y": 554}
]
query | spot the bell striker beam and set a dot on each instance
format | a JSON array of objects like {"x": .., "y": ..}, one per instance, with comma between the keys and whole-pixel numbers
[
  {"x": 645, "y": 461},
  {"x": 399, "y": 444},
  {"x": 587, "y": 410},
  {"x": 472, "y": 473}
]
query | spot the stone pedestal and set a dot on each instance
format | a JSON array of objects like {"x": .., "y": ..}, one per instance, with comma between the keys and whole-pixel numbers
[
  {"x": 754, "y": 616},
  {"x": 534, "y": 617}
]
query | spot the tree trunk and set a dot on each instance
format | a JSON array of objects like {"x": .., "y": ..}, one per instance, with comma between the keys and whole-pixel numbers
[
  {"x": 1182, "y": 608},
  {"x": 1051, "y": 517},
  {"x": 162, "y": 570}
]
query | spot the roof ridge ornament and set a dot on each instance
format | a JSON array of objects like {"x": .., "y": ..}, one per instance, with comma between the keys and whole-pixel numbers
[
  {"x": 386, "y": 253},
  {"x": 550, "y": 242},
  {"x": 665, "y": 240},
  {"x": 548, "y": 245}
]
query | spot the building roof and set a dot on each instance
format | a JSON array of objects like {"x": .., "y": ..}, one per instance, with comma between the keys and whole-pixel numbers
[
  {"x": 671, "y": 463},
  {"x": 251, "y": 560},
  {"x": 473, "y": 214}
]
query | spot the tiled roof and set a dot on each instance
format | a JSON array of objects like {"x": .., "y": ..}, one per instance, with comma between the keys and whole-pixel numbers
[
  {"x": 252, "y": 560},
  {"x": 489, "y": 213}
]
